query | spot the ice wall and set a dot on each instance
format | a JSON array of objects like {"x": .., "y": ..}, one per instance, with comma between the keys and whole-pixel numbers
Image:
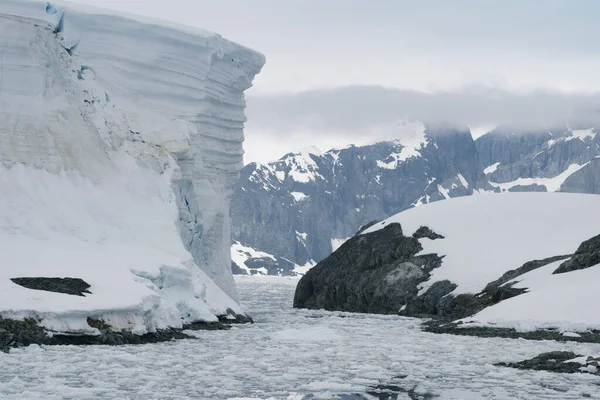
[{"x": 140, "y": 127}]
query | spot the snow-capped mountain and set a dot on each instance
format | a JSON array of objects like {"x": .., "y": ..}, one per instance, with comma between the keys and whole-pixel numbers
[
  {"x": 121, "y": 143},
  {"x": 525, "y": 261},
  {"x": 304, "y": 205}
]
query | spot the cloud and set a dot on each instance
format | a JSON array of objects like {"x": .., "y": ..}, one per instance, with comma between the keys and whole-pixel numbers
[
  {"x": 360, "y": 109},
  {"x": 354, "y": 114}
]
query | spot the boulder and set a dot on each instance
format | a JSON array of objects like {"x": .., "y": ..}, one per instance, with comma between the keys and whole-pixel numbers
[{"x": 377, "y": 272}]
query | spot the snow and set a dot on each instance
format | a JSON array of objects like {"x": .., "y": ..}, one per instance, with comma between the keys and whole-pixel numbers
[
  {"x": 491, "y": 168},
  {"x": 298, "y": 196},
  {"x": 241, "y": 253},
  {"x": 582, "y": 134},
  {"x": 463, "y": 181},
  {"x": 570, "y": 334},
  {"x": 487, "y": 235},
  {"x": 562, "y": 301},
  {"x": 411, "y": 145},
  {"x": 118, "y": 163},
  {"x": 337, "y": 242},
  {"x": 249, "y": 361},
  {"x": 552, "y": 184},
  {"x": 443, "y": 191},
  {"x": 280, "y": 175},
  {"x": 301, "y": 237},
  {"x": 106, "y": 234},
  {"x": 302, "y": 167},
  {"x": 303, "y": 269}
]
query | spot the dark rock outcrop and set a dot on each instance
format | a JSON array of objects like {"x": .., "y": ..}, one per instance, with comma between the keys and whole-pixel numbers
[
  {"x": 425, "y": 232},
  {"x": 525, "y": 268},
  {"x": 72, "y": 286},
  {"x": 586, "y": 256},
  {"x": 556, "y": 361},
  {"x": 379, "y": 272},
  {"x": 277, "y": 266},
  {"x": 373, "y": 273},
  {"x": 236, "y": 270},
  {"x": 15, "y": 333},
  {"x": 454, "y": 328}
]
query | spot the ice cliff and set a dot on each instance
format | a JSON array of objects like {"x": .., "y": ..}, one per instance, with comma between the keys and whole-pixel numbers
[{"x": 120, "y": 142}]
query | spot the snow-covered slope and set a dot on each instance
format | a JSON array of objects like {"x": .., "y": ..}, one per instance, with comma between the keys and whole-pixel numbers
[
  {"x": 121, "y": 142},
  {"x": 486, "y": 236},
  {"x": 561, "y": 301}
]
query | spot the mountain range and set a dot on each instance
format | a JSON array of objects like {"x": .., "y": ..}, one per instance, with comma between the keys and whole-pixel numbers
[{"x": 295, "y": 211}]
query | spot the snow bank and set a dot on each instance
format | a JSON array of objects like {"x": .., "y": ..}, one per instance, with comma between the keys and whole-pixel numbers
[
  {"x": 563, "y": 301},
  {"x": 120, "y": 142},
  {"x": 486, "y": 236}
]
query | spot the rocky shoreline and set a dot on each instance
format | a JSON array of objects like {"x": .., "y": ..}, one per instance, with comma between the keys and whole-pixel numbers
[
  {"x": 565, "y": 362},
  {"x": 453, "y": 328},
  {"x": 15, "y": 333}
]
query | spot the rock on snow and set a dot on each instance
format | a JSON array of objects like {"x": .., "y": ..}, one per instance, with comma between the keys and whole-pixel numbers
[
  {"x": 120, "y": 142},
  {"x": 507, "y": 258}
]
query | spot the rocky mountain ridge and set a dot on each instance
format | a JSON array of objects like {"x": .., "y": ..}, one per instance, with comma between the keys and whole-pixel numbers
[{"x": 302, "y": 207}]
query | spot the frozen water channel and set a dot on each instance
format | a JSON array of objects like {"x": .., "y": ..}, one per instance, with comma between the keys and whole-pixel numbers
[{"x": 294, "y": 354}]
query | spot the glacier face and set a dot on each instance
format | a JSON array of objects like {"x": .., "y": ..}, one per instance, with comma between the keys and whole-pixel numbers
[{"x": 121, "y": 142}]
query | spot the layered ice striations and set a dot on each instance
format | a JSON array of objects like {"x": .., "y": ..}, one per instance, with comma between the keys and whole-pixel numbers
[{"x": 122, "y": 138}]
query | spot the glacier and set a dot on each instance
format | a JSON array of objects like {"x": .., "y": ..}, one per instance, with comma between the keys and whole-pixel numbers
[{"x": 121, "y": 143}]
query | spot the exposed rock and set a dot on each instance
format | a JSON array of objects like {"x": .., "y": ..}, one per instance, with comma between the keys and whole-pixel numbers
[
  {"x": 435, "y": 301},
  {"x": 14, "y": 333},
  {"x": 425, "y": 232},
  {"x": 586, "y": 180},
  {"x": 556, "y": 361},
  {"x": 376, "y": 272},
  {"x": 277, "y": 266},
  {"x": 514, "y": 273},
  {"x": 230, "y": 317},
  {"x": 236, "y": 270},
  {"x": 457, "y": 328},
  {"x": 72, "y": 286},
  {"x": 393, "y": 392},
  {"x": 587, "y": 255},
  {"x": 534, "y": 187},
  {"x": 379, "y": 272},
  {"x": 249, "y": 261}
]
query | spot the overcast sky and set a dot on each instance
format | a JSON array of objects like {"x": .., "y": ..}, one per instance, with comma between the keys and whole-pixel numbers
[{"x": 350, "y": 71}]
